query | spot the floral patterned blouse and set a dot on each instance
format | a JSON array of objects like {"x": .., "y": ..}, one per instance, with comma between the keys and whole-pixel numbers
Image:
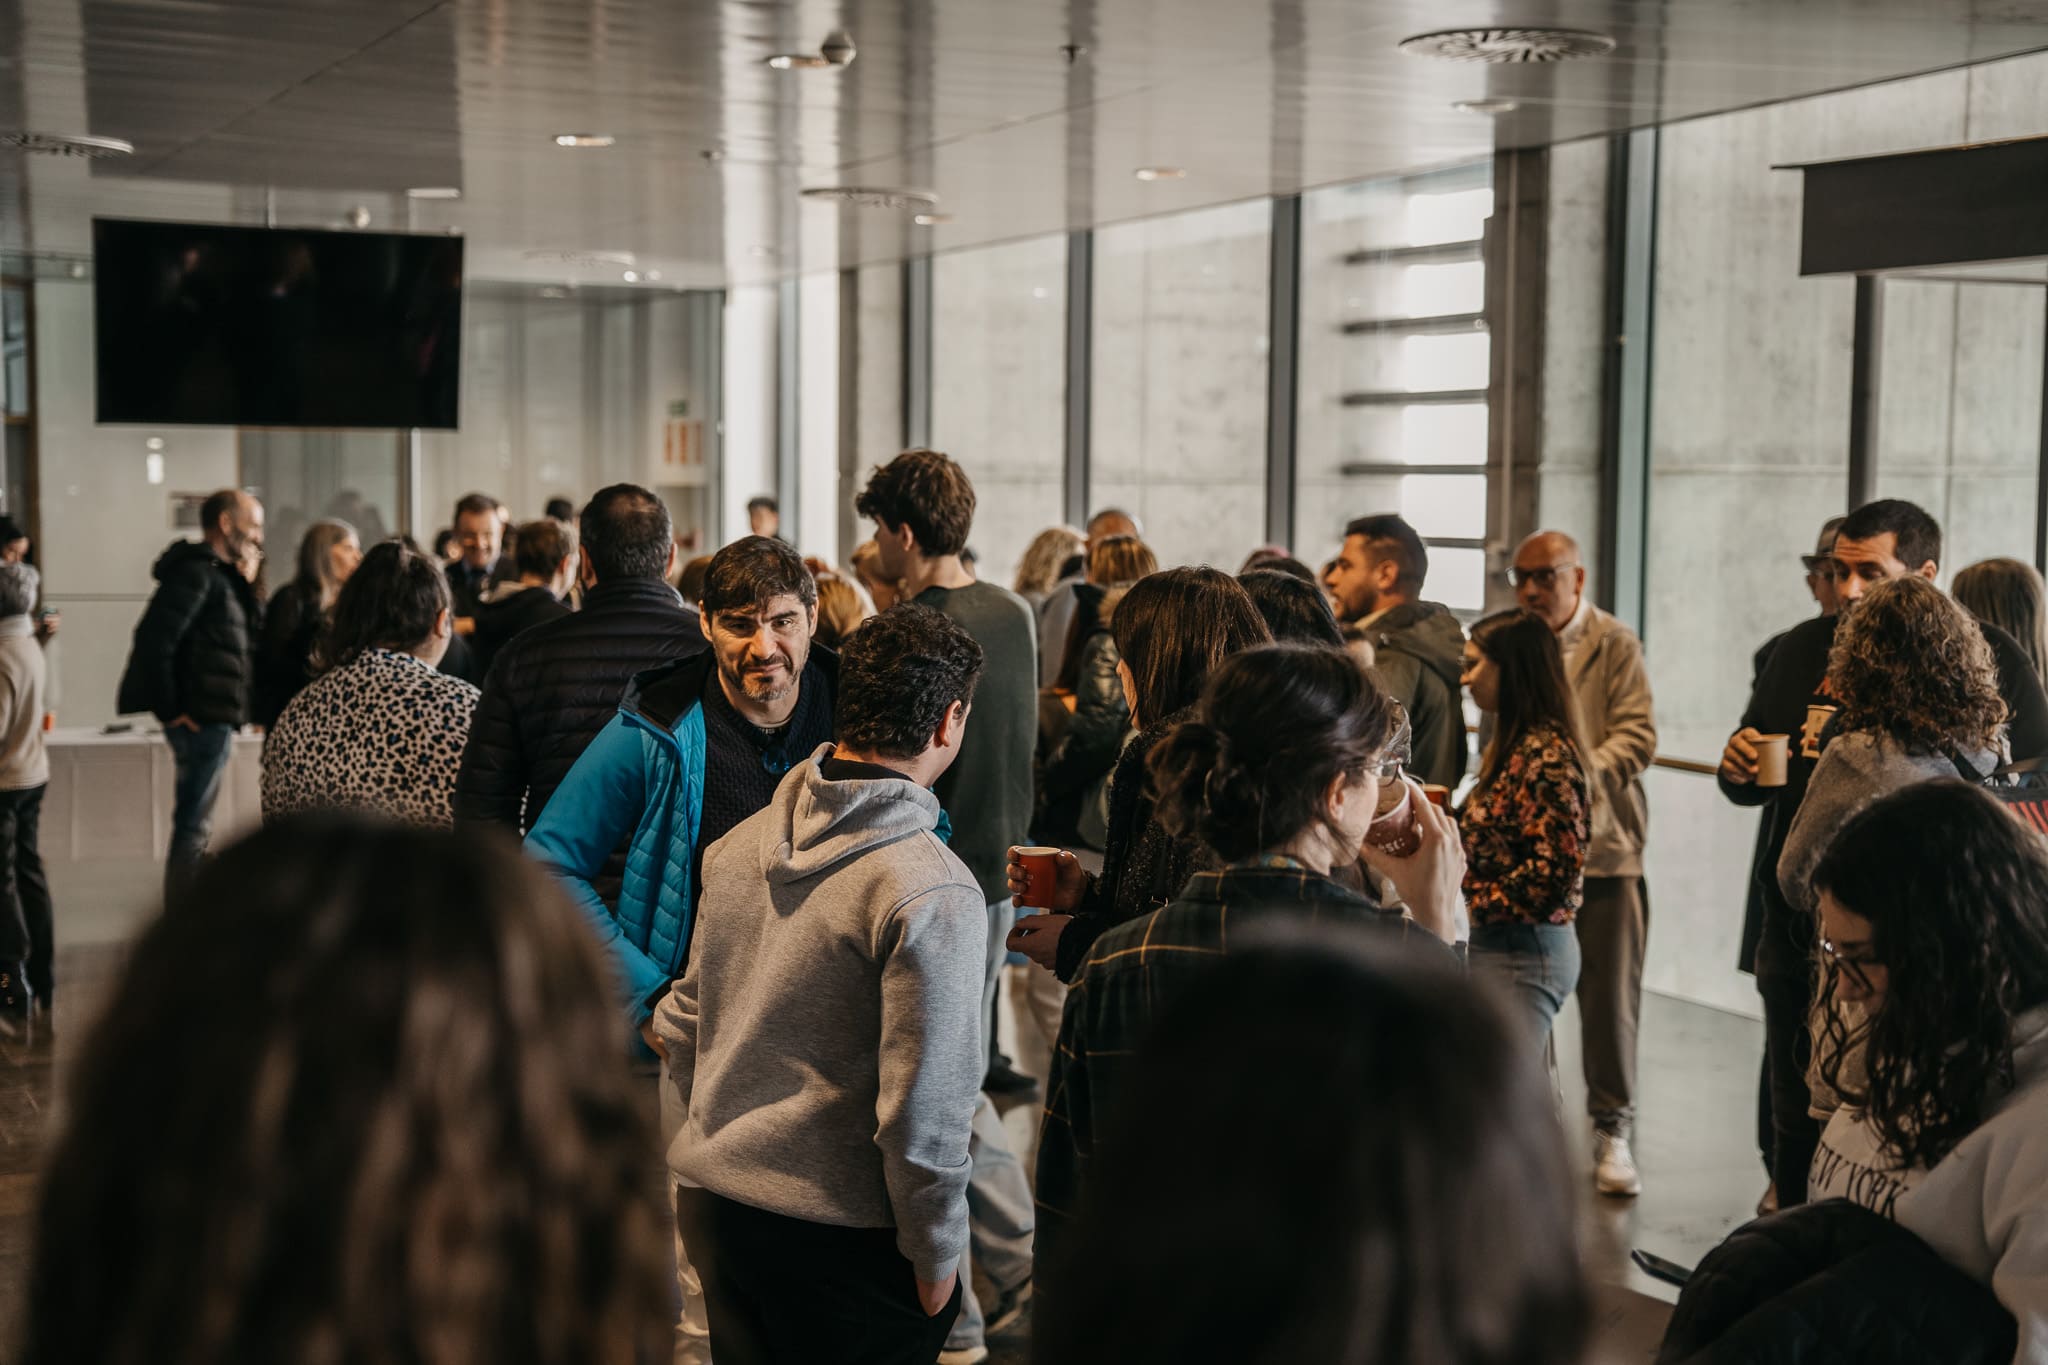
[{"x": 1526, "y": 836}]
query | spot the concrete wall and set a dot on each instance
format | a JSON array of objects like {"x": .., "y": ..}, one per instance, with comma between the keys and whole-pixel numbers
[
  {"x": 1179, "y": 393},
  {"x": 999, "y": 388}
]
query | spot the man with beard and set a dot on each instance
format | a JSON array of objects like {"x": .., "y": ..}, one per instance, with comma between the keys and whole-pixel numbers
[
  {"x": 698, "y": 745},
  {"x": 1376, "y": 584},
  {"x": 192, "y": 663}
]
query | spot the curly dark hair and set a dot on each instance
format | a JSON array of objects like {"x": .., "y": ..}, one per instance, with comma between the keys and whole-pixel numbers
[
  {"x": 1909, "y": 663},
  {"x": 1274, "y": 728},
  {"x": 898, "y": 676},
  {"x": 751, "y": 572},
  {"x": 1956, "y": 892},
  {"x": 389, "y": 1118},
  {"x": 926, "y": 491}
]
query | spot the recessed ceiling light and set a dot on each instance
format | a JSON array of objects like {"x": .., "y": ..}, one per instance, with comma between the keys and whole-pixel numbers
[
  {"x": 1497, "y": 45},
  {"x": 584, "y": 139},
  {"x": 631, "y": 277},
  {"x": 798, "y": 61},
  {"x": 1490, "y": 106},
  {"x": 932, "y": 219},
  {"x": 433, "y": 192},
  {"x": 1149, "y": 173},
  {"x": 653, "y": 277}
]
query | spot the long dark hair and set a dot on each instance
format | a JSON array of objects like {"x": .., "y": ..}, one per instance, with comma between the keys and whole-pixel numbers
[
  {"x": 1318, "y": 1138},
  {"x": 391, "y": 601},
  {"x": 1534, "y": 695},
  {"x": 1956, "y": 892},
  {"x": 1172, "y": 630},
  {"x": 1275, "y": 727},
  {"x": 387, "y": 1116}
]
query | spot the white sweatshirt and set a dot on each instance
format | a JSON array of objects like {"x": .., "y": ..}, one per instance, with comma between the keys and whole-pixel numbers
[{"x": 1983, "y": 1207}]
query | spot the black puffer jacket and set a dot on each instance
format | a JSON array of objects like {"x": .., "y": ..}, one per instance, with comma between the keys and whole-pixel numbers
[
  {"x": 193, "y": 649},
  {"x": 552, "y": 688},
  {"x": 1833, "y": 1283},
  {"x": 1086, "y": 748}
]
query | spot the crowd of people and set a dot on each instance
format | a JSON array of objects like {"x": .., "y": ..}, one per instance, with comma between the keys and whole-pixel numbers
[{"x": 586, "y": 870}]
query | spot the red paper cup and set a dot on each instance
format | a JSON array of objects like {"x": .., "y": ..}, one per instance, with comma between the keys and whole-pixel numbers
[
  {"x": 1438, "y": 796},
  {"x": 1041, "y": 877},
  {"x": 1398, "y": 831}
]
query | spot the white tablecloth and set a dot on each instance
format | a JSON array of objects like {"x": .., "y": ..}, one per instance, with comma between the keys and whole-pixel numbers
[{"x": 110, "y": 795}]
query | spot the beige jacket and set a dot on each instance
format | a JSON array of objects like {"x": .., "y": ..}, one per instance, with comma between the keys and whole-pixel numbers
[
  {"x": 24, "y": 762},
  {"x": 1604, "y": 661}
]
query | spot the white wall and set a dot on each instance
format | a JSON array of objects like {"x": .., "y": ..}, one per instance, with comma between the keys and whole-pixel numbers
[
  {"x": 103, "y": 522},
  {"x": 750, "y": 422}
]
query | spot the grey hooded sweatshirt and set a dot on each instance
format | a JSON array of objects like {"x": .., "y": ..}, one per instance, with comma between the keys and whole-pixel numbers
[
  {"x": 1418, "y": 654},
  {"x": 826, "y": 1036}
]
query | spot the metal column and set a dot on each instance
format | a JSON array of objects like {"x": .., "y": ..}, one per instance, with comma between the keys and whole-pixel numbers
[
  {"x": 1282, "y": 370},
  {"x": 1080, "y": 364}
]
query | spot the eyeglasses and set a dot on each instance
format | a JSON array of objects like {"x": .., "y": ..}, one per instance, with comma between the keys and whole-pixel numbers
[
  {"x": 1542, "y": 578},
  {"x": 1851, "y": 967},
  {"x": 1388, "y": 770}
]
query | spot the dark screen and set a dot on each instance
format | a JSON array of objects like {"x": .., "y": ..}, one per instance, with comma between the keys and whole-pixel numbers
[{"x": 276, "y": 327}]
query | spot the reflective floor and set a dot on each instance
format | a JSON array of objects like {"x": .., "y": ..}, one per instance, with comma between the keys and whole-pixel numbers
[{"x": 1695, "y": 1132}]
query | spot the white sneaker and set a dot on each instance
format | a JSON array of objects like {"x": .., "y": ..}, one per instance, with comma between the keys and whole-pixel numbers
[
  {"x": 1614, "y": 1166},
  {"x": 963, "y": 1355}
]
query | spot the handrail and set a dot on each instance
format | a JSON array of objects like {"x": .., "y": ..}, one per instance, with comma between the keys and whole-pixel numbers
[{"x": 1686, "y": 765}]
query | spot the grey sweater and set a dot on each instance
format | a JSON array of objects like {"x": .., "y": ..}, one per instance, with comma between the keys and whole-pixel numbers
[
  {"x": 826, "y": 1036},
  {"x": 1854, "y": 770}
]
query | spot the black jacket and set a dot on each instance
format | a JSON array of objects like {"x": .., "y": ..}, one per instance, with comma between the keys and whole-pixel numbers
[
  {"x": 1085, "y": 749},
  {"x": 506, "y": 613},
  {"x": 193, "y": 645},
  {"x": 1785, "y": 699},
  {"x": 467, "y": 589},
  {"x": 292, "y": 622},
  {"x": 1143, "y": 866},
  {"x": 553, "y": 688},
  {"x": 1831, "y": 1284}
]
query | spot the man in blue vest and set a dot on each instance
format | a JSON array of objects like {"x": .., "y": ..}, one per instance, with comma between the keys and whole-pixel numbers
[{"x": 698, "y": 745}]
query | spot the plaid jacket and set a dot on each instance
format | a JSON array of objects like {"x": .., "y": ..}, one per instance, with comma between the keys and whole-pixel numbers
[{"x": 1131, "y": 972}]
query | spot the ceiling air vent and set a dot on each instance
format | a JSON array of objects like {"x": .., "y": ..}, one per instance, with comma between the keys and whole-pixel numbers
[
  {"x": 594, "y": 259},
  {"x": 869, "y": 197},
  {"x": 63, "y": 144},
  {"x": 1509, "y": 44}
]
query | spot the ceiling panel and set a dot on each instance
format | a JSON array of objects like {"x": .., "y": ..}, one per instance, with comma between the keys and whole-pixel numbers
[{"x": 304, "y": 108}]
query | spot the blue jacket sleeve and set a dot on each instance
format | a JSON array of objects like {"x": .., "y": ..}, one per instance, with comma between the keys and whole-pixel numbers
[{"x": 598, "y": 804}]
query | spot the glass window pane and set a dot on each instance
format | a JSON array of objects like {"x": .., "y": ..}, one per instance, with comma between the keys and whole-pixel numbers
[
  {"x": 1457, "y": 578},
  {"x": 1356, "y": 297},
  {"x": 1178, "y": 415},
  {"x": 1450, "y": 506},
  {"x": 999, "y": 388}
]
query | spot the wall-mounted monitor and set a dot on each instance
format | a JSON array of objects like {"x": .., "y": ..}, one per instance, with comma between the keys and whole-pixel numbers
[{"x": 199, "y": 323}]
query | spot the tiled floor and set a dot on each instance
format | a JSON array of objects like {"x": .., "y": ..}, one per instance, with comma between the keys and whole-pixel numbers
[{"x": 1694, "y": 1141}]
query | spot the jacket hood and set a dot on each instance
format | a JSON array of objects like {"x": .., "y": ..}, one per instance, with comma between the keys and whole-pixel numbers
[
  {"x": 180, "y": 554},
  {"x": 815, "y": 824},
  {"x": 1428, "y": 632}
]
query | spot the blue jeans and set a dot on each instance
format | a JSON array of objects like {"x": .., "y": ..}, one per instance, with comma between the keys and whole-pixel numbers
[
  {"x": 1000, "y": 1222},
  {"x": 201, "y": 756},
  {"x": 1535, "y": 965}
]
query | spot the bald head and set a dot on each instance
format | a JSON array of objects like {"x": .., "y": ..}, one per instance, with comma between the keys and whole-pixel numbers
[
  {"x": 1550, "y": 577},
  {"x": 1111, "y": 521}
]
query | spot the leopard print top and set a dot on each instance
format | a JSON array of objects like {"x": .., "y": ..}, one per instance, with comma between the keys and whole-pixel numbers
[{"x": 383, "y": 734}]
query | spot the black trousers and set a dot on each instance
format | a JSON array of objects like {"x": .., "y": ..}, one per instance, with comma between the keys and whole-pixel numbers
[
  {"x": 784, "y": 1291},
  {"x": 1784, "y": 977},
  {"x": 25, "y": 912}
]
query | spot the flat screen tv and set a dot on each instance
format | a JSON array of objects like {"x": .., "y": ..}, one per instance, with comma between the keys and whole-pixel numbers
[{"x": 275, "y": 327}]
